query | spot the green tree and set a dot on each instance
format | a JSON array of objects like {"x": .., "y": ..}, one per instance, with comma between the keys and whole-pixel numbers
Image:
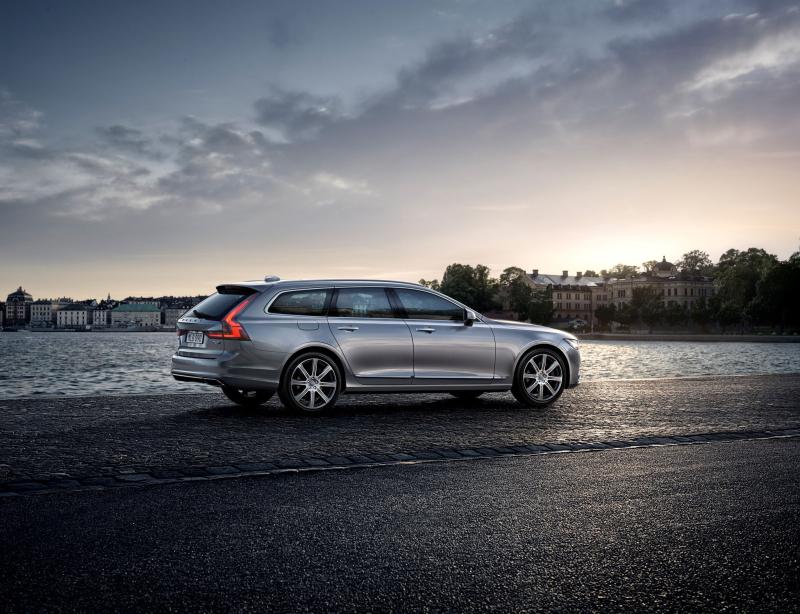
[
  {"x": 646, "y": 304},
  {"x": 649, "y": 265},
  {"x": 695, "y": 262},
  {"x": 625, "y": 315},
  {"x": 540, "y": 307},
  {"x": 778, "y": 295},
  {"x": 590, "y": 273},
  {"x": 701, "y": 313},
  {"x": 623, "y": 271},
  {"x": 606, "y": 314},
  {"x": 737, "y": 281},
  {"x": 471, "y": 286},
  {"x": 676, "y": 315},
  {"x": 518, "y": 290},
  {"x": 433, "y": 284}
]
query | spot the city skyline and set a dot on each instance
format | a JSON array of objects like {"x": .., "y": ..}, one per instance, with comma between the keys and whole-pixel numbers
[{"x": 155, "y": 148}]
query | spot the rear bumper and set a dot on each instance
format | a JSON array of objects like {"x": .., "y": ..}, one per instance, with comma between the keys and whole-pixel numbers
[{"x": 224, "y": 370}]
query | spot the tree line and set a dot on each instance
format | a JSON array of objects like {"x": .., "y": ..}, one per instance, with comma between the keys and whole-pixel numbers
[{"x": 752, "y": 288}]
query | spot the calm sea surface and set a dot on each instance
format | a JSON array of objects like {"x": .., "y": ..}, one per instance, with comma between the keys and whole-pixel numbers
[{"x": 76, "y": 364}]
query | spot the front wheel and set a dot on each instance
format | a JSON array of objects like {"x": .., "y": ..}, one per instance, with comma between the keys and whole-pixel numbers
[
  {"x": 247, "y": 398},
  {"x": 540, "y": 378},
  {"x": 310, "y": 383}
]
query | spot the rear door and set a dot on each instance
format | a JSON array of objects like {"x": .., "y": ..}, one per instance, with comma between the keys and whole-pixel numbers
[
  {"x": 445, "y": 347},
  {"x": 375, "y": 342}
]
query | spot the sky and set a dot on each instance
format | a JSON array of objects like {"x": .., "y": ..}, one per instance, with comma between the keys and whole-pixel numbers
[{"x": 156, "y": 147}]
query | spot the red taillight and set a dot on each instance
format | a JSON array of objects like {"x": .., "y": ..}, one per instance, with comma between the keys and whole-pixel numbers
[{"x": 231, "y": 329}]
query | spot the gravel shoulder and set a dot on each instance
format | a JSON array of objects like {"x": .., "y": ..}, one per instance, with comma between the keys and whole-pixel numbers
[{"x": 86, "y": 436}]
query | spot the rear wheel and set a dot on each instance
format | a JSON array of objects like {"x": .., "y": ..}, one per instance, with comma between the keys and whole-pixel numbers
[
  {"x": 247, "y": 398},
  {"x": 466, "y": 395},
  {"x": 310, "y": 383},
  {"x": 540, "y": 378}
]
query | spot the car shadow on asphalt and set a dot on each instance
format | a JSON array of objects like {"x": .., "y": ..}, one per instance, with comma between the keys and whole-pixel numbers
[
  {"x": 374, "y": 405},
  {"x": 351, "y": 406}
]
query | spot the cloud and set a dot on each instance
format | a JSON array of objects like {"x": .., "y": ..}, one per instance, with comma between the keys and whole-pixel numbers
[
  {"x": 639, "y": 10},
  {"x": 17, "y": 120},
  {"x": 329, "y": 180},
  {"x": 129, "y": 140},
  {"x": 296, "y": 115}
]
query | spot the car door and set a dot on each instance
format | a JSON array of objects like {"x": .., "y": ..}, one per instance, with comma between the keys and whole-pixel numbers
[
  {"x": 445, "y": 346},
  {"x": 375, "y": 342}
]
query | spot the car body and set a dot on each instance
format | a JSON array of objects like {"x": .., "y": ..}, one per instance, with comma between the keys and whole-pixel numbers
[{"x": 371, "y": 336}]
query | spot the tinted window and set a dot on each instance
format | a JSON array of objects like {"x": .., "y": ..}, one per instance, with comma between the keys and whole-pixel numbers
[
  {"x": 362, "y": 303},
  {"x": 219, "y": 304},
  {"x": 301, "y": 303},
  {"x": 427, "y": 306}
]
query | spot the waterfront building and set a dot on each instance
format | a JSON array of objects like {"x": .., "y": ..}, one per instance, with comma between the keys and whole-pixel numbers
[
  {"x": 18, "y": 308},
  {"x": 2, "y": 313},
  {"x": 574, "y": 296},
  {"x": 129, "y": 315},
  {"x": 43, "y": 311},
  {"x": 101, "y": 317},
  {"x": 579, "y": 296},
  {"x": 74, "y": 315},
  {"x": 172, "y": 314}
]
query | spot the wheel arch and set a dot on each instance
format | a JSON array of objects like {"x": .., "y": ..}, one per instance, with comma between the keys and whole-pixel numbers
[{"x": 321, "y": 349}]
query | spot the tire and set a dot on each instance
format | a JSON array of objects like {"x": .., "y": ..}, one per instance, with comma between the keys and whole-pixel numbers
[
  {"x": 247, "y": 398},
  {"x": 541, "y": 369},
  {"x": 311, "y": 383},
  {"x": 466, "y": 395}
]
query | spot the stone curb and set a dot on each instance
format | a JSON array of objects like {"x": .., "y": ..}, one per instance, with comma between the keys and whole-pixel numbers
[{"x": 127, "y": 479}]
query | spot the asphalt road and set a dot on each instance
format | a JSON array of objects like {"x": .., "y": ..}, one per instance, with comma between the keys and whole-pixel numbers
[
  {"x": 94, "y": 436},
  {"x": 713, "y": 526}
]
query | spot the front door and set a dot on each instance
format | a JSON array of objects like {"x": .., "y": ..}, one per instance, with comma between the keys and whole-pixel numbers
[
  {"x": 376, "y": 344},
  {"x": 445, "y": 348}
]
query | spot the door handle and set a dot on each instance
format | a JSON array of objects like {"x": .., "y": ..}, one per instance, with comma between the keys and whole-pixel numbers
[
  {"x": 349, "y": 329},
  {"x": 426, "y": 330}
]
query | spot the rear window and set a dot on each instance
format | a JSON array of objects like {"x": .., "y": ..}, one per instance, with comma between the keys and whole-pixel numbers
[
  {"x": 301, "y": 303},
  {"x": 217, "y": 305}
]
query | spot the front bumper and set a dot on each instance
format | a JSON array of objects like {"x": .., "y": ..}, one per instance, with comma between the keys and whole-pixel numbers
[{"x": 574, "y": 359}]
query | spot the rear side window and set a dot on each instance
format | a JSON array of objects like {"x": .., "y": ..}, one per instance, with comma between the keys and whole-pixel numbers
[
  {"x": 362, "y": 303},
  {"x": 216, "y": 306},
  {"x": 426, "y": 306},
  {"x": 301, "y": 303}
]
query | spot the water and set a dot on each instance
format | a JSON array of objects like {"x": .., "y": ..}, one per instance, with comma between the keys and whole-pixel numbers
[{"x": 79, "y": 364}]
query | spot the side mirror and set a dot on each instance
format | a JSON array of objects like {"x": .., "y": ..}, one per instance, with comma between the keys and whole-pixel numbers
[{"x": 470, "y": 317}]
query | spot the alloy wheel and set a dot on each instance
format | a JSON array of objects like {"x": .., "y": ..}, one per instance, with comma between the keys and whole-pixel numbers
[
  {"x": 543, "y": 377},
  {"x": 313, "y": 383}
]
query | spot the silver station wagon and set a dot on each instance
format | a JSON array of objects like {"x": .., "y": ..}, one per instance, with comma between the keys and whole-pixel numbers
[{"x": 311, "y": 341}]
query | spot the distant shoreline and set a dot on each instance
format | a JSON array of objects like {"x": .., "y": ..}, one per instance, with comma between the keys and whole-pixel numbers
[{"x": 689, "y": 337}]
